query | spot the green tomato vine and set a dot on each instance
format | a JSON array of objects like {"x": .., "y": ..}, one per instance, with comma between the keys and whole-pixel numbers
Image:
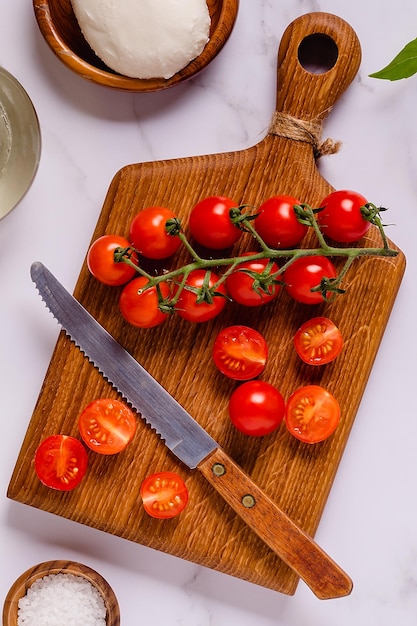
[{"x": 242, "y": 217}]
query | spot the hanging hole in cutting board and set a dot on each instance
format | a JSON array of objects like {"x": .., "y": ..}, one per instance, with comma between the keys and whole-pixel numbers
[{"x": 317, "y": 53}]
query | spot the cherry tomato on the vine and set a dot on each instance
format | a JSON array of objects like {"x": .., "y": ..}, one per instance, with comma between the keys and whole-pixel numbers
[
  {"x": 341, "y": 218},
  {"x": 100, "y": 261},
  {"x": 312, "y": 414},
  {"x": 306, "y": 273},
  {"x": 210, "y": 223},
  {"x": 149, "y": 236},
  {"x": 140, "y": 306},
  {"x": 240, "y": 352},
  {"x": 256, "y": 408},
  {"x": 248, "y": 285},
  {"x": 197, "y": 302},
  {"x": 107, "y": 426},
  {"x": 61, "y": 462},
  {"x": 164, "y": 495},
  {"x": 277, "y": 223},
  {"x": 318, "y": 341}
]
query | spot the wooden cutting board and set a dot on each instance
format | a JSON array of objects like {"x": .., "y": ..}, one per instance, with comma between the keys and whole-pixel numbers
[{"x": 178, "y": 354}]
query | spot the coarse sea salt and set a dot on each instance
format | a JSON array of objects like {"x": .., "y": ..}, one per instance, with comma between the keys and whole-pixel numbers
[{"x": 61, "y": 600}]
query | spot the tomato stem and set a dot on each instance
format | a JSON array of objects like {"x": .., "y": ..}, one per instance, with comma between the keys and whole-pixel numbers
[{"x": 329, "y": 287}]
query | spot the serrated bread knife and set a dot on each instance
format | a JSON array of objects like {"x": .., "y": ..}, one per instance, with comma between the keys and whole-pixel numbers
[{"x": 191, "y": 443}]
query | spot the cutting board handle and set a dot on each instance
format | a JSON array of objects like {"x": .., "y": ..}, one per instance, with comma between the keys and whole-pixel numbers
[{"x": 318, "y": 57}]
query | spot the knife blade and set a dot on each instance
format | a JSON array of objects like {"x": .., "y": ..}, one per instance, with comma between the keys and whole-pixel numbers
[{"x": 191, "y": 443}]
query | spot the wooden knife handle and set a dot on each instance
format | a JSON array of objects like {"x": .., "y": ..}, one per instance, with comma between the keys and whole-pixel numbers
[{"x": 299, "y": 551}]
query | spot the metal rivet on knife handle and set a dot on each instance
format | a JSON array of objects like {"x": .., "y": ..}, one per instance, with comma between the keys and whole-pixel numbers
[
  {"x": 248, "y": 501},
  {"x": 218, "y": 469}
]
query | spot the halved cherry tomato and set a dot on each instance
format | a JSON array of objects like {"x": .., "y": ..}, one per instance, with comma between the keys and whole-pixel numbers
[
  {"x": 240, "y": 352},
  {"x": 149, "y": 236},
  {"x": 100, "y": 261},
  {"x": 210, "y": 223},
  {"x": 196, "y": 302},
  {"x": 312, "y": 414},
  {"x": 250, "y": 283},
  {"x": 306, "y": 273},
  {"x": 164, "y": 495},
  {"x": 256, "y": 408},
  {"x": 341, "y": 218},
  {"x": 139, "y": 306},
  {"x": 61, "y": 462},
  {"x": 107, "y": 426},
  {"x": 318, "y": 341},
  {"x": 277, "y": 223}
]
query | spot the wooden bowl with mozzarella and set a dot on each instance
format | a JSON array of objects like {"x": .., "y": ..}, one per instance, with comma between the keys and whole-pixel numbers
[{"x": 62, "y": 32}]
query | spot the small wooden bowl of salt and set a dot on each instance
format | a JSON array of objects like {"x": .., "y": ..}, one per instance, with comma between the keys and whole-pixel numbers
[{"x": 74, "y": 593}]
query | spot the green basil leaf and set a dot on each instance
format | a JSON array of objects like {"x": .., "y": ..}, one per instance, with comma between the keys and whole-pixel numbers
[{"x": 403, "y": 65}]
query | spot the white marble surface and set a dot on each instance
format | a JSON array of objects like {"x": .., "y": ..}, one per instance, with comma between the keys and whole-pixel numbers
[{"x": 370, "y": 521}]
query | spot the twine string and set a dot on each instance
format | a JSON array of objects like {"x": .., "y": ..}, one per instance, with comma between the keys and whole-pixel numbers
[{"x": 285, "y": 125}]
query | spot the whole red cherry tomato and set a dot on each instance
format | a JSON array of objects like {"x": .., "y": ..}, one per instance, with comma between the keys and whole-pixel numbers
[
  {"x": 196, "y": 302},
  {"x": 304, "y": 274},
  {"x": 149, "y": 236},
  {"x": 277, "y": 223},
  {"x": 164, "y": 495},
  {"x": 210, "y": 223},
  {"x": 341, "y": 218},
  {"x": 61, "y": 462},
  {"x": 318, "y": 341},
  {"x": 107, "y": 426},
  {"x": 100, "y": 261},
  {"x": 312, "y": 414},
  {"x": 240, "y": 352},
  {"x": 256, "y": 408},
  {"x": 139, "y": 306},
  {"x": 249, "y": 285}
]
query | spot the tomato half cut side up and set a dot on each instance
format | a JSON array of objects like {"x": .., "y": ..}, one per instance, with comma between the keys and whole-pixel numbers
[
  {"x": 107, "y": 426},
  {"x": 318, "y": 341},
  {"x": 312, "y": 414},
  {"x": 61, "y": 462},
  {"x": 164, "y": 495},
  {"x": 240, "y": 352}
]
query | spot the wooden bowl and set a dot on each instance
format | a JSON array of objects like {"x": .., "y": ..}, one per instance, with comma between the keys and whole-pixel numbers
[
  {"x": 59, "y": 26},
  {"x": 21, "y": 585}
]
